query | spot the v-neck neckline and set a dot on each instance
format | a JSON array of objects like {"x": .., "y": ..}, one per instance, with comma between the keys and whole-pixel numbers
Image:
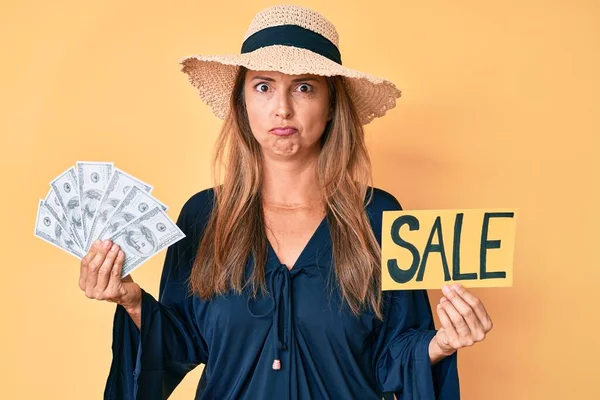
[{"x": 317, "y": 233}]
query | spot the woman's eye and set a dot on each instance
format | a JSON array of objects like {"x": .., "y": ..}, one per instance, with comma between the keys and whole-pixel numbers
[
  {"x": 305, "y": 88},
  {"x": 260, "y": 86}
]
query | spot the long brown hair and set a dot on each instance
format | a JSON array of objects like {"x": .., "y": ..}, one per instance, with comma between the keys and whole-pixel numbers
[{"x": 235, "y": 229}]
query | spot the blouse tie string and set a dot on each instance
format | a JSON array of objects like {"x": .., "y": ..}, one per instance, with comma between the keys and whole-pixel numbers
[
  {"x": 281, "y": 286},
  {"x": 279, "y": 283}
]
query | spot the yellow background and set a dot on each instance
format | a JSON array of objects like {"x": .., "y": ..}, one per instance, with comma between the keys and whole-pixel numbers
[{"x": 500, "y": 109}]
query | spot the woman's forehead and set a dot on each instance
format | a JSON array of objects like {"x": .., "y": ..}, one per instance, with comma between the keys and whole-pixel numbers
[{"x": 280, "y": 76}]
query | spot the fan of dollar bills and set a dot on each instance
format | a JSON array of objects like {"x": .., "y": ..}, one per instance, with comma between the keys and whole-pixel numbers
[{"x": 96, "y": 200}]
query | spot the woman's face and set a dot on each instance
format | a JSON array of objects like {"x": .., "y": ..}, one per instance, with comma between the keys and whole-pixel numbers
[{"x": 276, "y": 100}]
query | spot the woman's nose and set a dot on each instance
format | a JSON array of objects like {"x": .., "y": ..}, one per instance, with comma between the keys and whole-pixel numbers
[{"x": 284, "y": 107}]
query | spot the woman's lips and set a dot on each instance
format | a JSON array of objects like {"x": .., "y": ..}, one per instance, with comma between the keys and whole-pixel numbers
[{"x": 284, "y": 132}]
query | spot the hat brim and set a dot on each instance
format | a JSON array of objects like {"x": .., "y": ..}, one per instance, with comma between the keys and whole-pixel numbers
[{"x": 214, "y": 76}]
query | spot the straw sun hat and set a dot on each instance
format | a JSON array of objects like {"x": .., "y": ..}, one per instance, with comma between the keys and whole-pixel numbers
[{"x": 293, "y": 40}]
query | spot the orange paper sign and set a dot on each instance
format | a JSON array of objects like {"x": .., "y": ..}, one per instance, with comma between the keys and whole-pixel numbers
[{"x": 426, "y": 249}]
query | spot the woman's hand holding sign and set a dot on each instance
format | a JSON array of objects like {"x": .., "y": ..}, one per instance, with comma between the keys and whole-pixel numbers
[{"x": 464, "y": 321}]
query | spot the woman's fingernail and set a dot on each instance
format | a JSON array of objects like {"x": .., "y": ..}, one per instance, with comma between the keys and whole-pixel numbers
[
  {"x": 456, "y": 286},
  {"x": 446, "y": 289},
  {"x": 113, "y": 248},
  {"x": 107, "y": 244}
]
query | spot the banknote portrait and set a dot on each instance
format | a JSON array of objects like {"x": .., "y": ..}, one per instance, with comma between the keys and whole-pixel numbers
[{"x": 139, "y": 240}]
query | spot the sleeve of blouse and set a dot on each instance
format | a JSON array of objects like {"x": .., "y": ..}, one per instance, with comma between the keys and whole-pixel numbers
[
  {"x": 402, "y": 364},
  {"x": 150, "y": 362}
]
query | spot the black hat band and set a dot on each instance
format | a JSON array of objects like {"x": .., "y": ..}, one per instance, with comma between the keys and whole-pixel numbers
[{"x": 292, "y": 35}]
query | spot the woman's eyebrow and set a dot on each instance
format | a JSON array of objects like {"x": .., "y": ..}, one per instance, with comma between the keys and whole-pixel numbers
[{"x": 266, "y": 78}]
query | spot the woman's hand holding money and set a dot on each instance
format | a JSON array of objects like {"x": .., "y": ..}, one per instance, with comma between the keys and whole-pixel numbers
[{"x": 100, "y": 278}]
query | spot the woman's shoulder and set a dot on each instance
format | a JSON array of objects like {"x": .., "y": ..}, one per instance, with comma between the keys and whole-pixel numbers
[
  {"x": 381, "y": 200},
  {"x": 196, "y": 209},
  {"x": 199, "y": 200}
]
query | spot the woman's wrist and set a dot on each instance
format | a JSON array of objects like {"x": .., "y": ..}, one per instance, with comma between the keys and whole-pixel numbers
[
  {"x": 135, "y": 312},
  {"x": 134, "y": 309},
  {"x": 436, "y": 352},
  {"x": 134, "y": 304}
]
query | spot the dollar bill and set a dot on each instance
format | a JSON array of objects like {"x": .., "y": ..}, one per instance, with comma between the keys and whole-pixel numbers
[
  {"x": 93, "y": 178},
  {"x": 144, "y": 237},
  {"x": 134, "y": 205},
  {"x": 53, "y": 205},
  {"x": 49, "y": 229},
  {"x": 118, "y": 186},
  {"x": 66, "y": 188}
]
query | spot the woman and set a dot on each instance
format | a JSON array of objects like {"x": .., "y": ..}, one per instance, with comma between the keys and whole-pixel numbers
[{"x": 276, "y": 287}]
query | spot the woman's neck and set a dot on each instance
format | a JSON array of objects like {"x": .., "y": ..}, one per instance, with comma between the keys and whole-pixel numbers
[{"x": 290, "y": 183}]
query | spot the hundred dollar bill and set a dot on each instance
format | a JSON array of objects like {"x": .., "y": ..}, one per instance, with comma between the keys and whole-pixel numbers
[
  {"x": 66, "y": 188},
  {"x": 118, "y": 186},
  {"x": 93, "y": 178},
  {"x": 144, "y": 237},
  {"x": 50, "y": 230},
  {"x": 53, "y": 205},
  {"x": 135, "y": 204}
]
